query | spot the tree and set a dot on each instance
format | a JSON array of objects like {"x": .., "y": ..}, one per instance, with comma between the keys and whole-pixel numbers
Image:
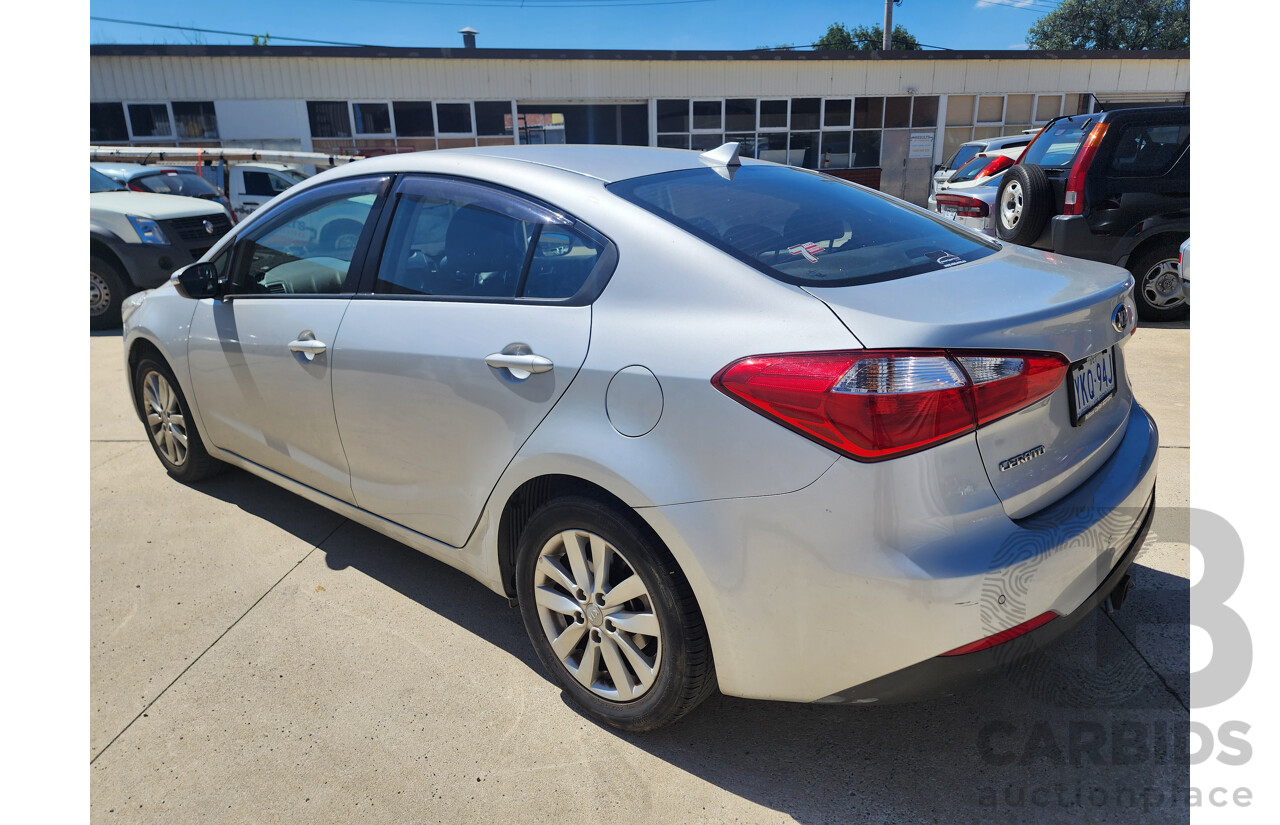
[
  {"x": 863, "y": 38},
  {"x": 1114, "y": 24}
]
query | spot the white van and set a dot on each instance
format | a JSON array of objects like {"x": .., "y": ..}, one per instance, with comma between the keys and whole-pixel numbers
[{"x": 253, "y": 184}]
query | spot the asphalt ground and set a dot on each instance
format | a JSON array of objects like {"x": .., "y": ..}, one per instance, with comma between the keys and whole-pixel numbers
[{"x": 255, "y": 658}]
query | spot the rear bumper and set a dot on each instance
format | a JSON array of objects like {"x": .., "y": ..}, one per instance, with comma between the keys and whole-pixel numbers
[
  {"x": 1071, "y": 235},
  {"x": 942, "y": 675},
  {"x": 876, "y": 568}
]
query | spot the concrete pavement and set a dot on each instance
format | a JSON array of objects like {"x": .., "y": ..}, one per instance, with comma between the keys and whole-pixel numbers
[{"x": 255, "y": 658}]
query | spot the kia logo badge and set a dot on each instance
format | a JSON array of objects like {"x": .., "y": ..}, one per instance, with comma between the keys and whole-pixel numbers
[{"x": 1120, "y": 318}]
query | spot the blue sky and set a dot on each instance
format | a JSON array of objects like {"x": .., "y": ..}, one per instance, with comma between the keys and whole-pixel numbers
[{"x": 610, "y": 24}]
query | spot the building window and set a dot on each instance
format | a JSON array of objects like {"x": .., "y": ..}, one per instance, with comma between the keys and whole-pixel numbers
[
  {"x": 195, "y": 120},
  {"x": 106, "y": 123},
  {"x": 708, "y": 116},
  {"x": 991, "y": 109},
  {"x": 868, "y": 113},
  {"x": 150, "y": 120},
  {"x": 740, "y": 115},
  {"x": 1048, "y": 107},
  {"x": 924, "y": 112},
  {"x": 454, "y": 119},
  {"x": 371, "y": 118},
  {"x": 414, "y": 118},
  {"x": 837, "y": 113},
  {"x": 773, "y": 114},
  {"x": 493, "y": 118},
  {"x": 328, "y": 118},
  {"x": 804, "y": 112}
]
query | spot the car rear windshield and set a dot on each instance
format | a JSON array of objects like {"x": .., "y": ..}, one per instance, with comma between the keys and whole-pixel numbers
[
  {"x": 803, "y": 227},
  {"x": 178, "y": 183},
  {"x": 971, "y": 169},
  {"x": 963, "y": 155},
  {"x": 1057, "y": 144}
]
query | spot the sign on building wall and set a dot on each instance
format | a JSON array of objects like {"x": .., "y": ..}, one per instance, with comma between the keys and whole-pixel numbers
[{"x": 921, "y": 145}]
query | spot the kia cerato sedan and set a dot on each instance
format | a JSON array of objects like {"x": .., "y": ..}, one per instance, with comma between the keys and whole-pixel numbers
[{"x": 711, "y": 423}]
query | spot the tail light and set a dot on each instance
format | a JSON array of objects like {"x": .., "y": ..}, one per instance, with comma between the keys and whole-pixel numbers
[
  {"x": 1073, "y": 200},
  {"x": 137, "y": 187},
  {"x": 873, "y": 405},
  {"x": 997, "y": 165},
  {"x": 1004, "y": 635},
  {"x": 966, "y": 207}
]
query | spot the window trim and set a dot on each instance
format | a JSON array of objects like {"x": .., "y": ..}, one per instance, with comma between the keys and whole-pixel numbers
[{"x": 587, "y": 294}]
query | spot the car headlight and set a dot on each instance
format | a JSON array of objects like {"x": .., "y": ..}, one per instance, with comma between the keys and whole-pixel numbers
[
  {"x": 148, "y": 230},
  {"x": 132, "y": 303}
]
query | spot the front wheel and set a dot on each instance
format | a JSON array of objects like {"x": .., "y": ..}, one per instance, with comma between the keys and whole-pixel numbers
[
  {"x": 1158, "y": 287},
  {"x": 611, "y": 616},
  {"x": 170, "y": 429},
  {"x": 106, "y": 294}
]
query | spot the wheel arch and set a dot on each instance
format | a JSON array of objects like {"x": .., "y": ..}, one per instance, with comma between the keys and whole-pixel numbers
[
  {"x": 102, "y": 249},
  {"x": 139, "y": 349},
  {"x": 1164, "y": 235}
]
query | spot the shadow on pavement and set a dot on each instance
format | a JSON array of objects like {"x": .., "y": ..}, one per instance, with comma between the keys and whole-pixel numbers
[{"x": 1083, "y": 729}]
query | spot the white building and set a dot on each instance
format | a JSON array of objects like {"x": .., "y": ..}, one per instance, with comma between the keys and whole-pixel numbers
[{"x": 880, "y": 118}]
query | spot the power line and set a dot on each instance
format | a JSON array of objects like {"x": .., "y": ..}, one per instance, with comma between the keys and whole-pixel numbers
[
  {"x": 542, "y": 4},
  {"x": 220, "y": 31},
  {"x": 1037, "y": 6}
]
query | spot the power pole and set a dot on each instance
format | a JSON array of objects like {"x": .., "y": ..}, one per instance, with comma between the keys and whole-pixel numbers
[{"x": 888, "y": 25}]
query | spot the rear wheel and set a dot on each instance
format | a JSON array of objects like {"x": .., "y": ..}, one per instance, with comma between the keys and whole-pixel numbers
[
  {"x": 1158, "y": 287},
  {"x": 1024, "y": 203},
  {"x": 611, "y": 616},
  {"x": 106, "y": 294},
  {"x": 170, "y": 429}
]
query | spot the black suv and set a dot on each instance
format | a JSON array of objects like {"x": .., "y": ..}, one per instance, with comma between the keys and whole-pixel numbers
[{"x": 1112, "y": 187}]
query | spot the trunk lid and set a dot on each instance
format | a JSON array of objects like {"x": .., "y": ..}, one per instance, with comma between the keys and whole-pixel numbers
[{"x": 1017, "y": 299}]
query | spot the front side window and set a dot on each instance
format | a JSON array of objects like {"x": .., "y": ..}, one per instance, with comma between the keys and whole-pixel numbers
[
  {"x": 801, "y": 227},
  {"x": 307, "y": 247},
  {"x": 265, "y": 184},
  {"x": 459, "y": 240}
]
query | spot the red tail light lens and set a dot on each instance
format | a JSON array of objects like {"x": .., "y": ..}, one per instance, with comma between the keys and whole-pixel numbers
[
  {"x": 998, "y": 164},
  {"x": 873, "y": 405},
  {"x": 1004, "y": 635},
  {"x": 966, "y": 207},
  {"x": 1073, "y": 200},
  {"x": 137, "y": 187}
]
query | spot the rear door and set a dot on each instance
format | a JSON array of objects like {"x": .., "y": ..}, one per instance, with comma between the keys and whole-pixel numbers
[
  {"x": 261, "y": 361},
  {"x": 466, "y": 333}
]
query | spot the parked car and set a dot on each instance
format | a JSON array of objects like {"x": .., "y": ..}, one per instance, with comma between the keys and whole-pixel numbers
[
  {"x": 971, "y": 206},
  {"x": 253, "y": 184},
  {"x": 976, "y": 172},
  {"x": 710, "y": 422},
  {"x": 968, "y": 150},
  {"x": 1111, "y": 187},
  {"x": 137, "y": 240},
  {"x": 163, "y": 181}
]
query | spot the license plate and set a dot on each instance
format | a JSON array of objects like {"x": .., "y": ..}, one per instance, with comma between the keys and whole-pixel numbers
[
  {"x": 1092, "y": 380},
  {"x": 949, "y": 212}
]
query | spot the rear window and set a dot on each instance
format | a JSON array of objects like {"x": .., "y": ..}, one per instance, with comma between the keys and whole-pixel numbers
[
  {"x": 971, "y": 169},
  {"x": 803, "y": 227},
  {"x": 177, "y": 183},
  {"x": 1057, "y": 144},
  {"x": 963, "y": 155},
  {"x": 1144, "y": 150}
]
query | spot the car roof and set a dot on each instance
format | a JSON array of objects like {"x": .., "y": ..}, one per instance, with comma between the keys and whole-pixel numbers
[{"x": 604, "y": 163}]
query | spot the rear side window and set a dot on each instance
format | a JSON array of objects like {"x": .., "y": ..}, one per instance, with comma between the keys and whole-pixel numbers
[
  {"x": 963, "y": 155},
  {"x": 455, "y": 239},
  {"x": 1149, "y": 150},
  {"x": 803, "y": 227},
  {"x": 1058, "y": 143},
  {"x": 971, "y": 169}
]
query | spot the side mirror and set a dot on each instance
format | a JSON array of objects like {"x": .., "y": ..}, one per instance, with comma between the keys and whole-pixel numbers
[
  {"x": 199, "y": 280},
  {"x": 554, "y": 244}
]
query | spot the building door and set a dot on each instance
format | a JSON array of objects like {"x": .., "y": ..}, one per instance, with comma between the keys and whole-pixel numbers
[{"x": 906, "y": 161}]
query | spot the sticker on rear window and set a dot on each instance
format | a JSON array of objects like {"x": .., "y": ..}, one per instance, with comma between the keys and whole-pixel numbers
[{"x": 809, "y": 250}]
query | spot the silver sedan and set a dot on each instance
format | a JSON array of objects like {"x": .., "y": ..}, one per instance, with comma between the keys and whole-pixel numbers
[{"x": 711, "y": 423}]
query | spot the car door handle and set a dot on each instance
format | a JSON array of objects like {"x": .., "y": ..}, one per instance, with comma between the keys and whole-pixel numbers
[
  {"x": 307, "y": 344},
  {"x": 522, "y": 365}
]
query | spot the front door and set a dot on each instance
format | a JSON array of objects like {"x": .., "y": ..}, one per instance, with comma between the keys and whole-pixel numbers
[
  {"x": 475, "y": 325},
  {"x": 261, "y": 358}
]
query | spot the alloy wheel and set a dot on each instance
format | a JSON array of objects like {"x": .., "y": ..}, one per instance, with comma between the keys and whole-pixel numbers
[
  {"x": 597, "y": 615},
  {"x": 165, "y": 419},
  {"x": 1162, "y": 285}
]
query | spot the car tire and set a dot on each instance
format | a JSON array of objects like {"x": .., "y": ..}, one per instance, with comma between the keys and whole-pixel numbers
[
  {"x": 1157, "y": 284},
  {"x": 571, "y": 611},
  {"x": 1024, "y": 202},
  {"x": 107, "y": 292},
  {"x": 170, "y": 429}
]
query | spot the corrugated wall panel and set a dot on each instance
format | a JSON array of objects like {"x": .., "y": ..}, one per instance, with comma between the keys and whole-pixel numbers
[
  {"x": 1104, "y": 75},
  {"x": 1013, "y": 76},
  {"x": 1133, "y": 75},
  {"x": 1073, "y": 76},
  {"x": 981, "y": 76}
]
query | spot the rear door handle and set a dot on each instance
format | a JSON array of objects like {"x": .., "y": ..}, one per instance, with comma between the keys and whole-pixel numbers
[
  {"x": 521, "y": 365},
  {"x": 307, "y": 344}
]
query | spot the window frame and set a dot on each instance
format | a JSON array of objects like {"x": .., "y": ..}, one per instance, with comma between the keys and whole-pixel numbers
[
  {"x": 592, "y": 286},
  {"x": 264, "y": 222},
  {"x": 172, "y": 137},
  {"x": 355, "y": 123},
  {"x": 1035, "y": 107},
  {"x": 435, "y": 113}
]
